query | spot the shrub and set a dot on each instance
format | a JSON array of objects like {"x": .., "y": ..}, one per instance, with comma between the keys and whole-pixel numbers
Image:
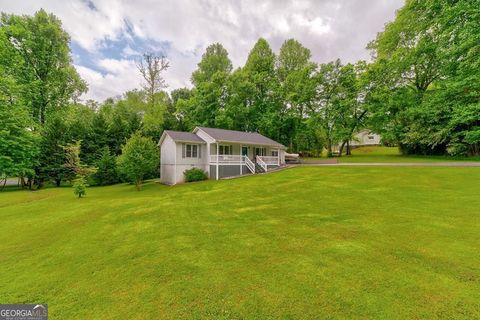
[
  {"x": 139, "y": 158},
  {"x": 194, "y": 174},
  {"x": 80, "y": 187}
]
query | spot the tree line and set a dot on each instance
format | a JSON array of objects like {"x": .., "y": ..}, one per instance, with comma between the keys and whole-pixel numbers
[{"x": 420, "y": 91}]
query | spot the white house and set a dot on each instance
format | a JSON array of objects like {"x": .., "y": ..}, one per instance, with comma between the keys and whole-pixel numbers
[
  {"x": 365, "y": 138},
  {"x": 362, "y": 138},
  {"x": 221, "y": 153}
]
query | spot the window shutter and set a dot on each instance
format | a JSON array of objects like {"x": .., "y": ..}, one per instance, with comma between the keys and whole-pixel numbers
[
  {"x": 199, "y": 151},
  {"x": 231, "y": 149},
  {"x": 183, "y": 150}
]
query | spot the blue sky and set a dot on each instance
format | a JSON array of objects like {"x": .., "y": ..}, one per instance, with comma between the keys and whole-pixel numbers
[{"x": 107, "y": 36}]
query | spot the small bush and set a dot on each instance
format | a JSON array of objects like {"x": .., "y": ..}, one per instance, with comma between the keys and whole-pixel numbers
[
  {"x": 194, "y": 174},
  {"x": 80, "y": 187}
]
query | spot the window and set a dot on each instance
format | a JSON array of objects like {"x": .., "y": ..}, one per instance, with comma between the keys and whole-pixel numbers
[
  {"x": 194, "y": 151},
  {"x": 261, "y": 152},
  {"x": 225, "y": 150},
  {"x": 244, "y": 151},
  {"x": 371, "y": 137},
  {"x": 274, "y": 153},
  {"x": 191, "y": 151}
]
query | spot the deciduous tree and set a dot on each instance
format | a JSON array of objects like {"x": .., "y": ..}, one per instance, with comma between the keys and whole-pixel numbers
[{"x": 139, "y": 159}]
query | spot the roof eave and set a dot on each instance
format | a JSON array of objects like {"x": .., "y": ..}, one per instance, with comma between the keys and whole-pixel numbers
[
  {"x": 253, "y": 143},
  {"x": 162, "y": 137},
  {"x": 191, "y": 141}
]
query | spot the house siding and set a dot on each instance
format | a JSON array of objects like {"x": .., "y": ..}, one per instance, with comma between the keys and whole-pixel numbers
[
  {"x": 167, "y": 161},
  {"x": 173, "y": 164}
]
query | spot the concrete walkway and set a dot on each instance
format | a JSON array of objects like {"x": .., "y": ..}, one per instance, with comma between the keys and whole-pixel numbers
[{"x": 396, "y": 164}]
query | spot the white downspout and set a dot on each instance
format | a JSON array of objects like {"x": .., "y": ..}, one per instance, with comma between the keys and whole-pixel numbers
[
  {"x": 217, "y": 162},
  {"x": 175, "y": 166}
]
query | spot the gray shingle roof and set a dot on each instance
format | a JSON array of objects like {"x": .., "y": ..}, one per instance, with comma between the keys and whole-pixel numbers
[
  {"x": 240, "y": 136},
  {"x": 184, "y": 136}
]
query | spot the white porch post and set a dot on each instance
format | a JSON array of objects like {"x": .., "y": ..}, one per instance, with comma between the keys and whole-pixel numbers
[
  {"x": 278, "y": 157},
  {"x": 241, "y": 159},
  {"x": 217, "y": 162}
]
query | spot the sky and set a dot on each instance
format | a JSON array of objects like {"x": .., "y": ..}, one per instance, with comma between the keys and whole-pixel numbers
[{"x": 108, "y": 36}]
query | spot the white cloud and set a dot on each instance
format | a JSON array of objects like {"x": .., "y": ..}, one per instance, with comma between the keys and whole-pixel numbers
[
  {"x": 129, "y": 51},
  {"x": 122, "y": 76},
  {"x": 330, "y": 28}
]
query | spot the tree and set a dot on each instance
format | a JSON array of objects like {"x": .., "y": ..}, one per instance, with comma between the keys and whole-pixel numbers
[
  {"x": 210, "y": 79},
  {"x": 43, "y": 68},
  {"x": 18, "y": 143},
  {"x": 180, "y": 118},
  {"x": 80, "y": 187},
  {"x": 96, "y": 139},
  {"x": 52, "y": 157},
  {"x": 252, "y": 102},
  {"x": 122, "y": 121},
  {"x": 355, "y": 87},
  {"x": 339, "y": 107},
  {"x": 427, "y": 82},
  {"x": 106, "y": 173},
  {"x": 151, "y": 68},
  {"x": 297, "y": 90},
  {"x": 139, "y": 158},
  {"x": 73, "y": 163}
]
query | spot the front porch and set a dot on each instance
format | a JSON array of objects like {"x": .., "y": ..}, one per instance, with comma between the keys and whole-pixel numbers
[{"x": 235, "y": 159}]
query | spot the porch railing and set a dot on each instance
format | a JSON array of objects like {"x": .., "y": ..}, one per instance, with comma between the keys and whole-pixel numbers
[
  {"x": 269, "y": 160},
  {"x": 226, "y": 159}
]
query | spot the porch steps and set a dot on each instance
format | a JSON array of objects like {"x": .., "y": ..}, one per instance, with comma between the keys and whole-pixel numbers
[{"x": 258, "y": 168}]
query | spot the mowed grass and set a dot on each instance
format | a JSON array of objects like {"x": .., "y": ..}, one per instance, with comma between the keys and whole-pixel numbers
[
  {"x": 303, "y": 243},
  {"x": 380, "y": 154}
]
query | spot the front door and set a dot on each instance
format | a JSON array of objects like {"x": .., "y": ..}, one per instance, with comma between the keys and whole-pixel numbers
[{"x": 244, "y": 151}]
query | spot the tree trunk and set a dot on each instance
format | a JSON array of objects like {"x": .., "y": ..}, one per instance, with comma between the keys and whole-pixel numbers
[
  {"x": 22, "y": 182},
  {"x": 57, "y": 182},
  {"x": 138, "y": 184},
  {"x": 341, "y": 148},
  {"x": 349, "y": 151}
]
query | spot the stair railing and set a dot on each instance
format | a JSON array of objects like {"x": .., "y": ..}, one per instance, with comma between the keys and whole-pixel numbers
[
  {"x": 250, "y": 165},
  {"x": 262, "y": 163}
]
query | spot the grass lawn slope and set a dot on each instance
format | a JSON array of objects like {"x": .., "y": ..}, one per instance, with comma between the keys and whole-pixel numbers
[
  {"x": 303, "y": 243},
  {"x": 392, "y": 154},
  {"x": 380, "y": 154}
]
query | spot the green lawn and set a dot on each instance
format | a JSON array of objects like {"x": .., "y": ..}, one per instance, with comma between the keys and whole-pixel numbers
[
  {"x": 303, "y": 243},
  {"x": 390, "y": 154}
]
